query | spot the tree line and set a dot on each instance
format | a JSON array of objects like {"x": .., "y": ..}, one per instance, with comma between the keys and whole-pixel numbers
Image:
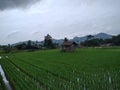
[
  {"x": 92, "y": 42},
  {"x": 30, "y": 45},
  {"x": 48, "y": 44}
]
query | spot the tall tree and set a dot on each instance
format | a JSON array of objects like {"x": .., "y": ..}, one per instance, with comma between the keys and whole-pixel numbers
[
  {"x": 48, "y": 41},
  {"x": 65, "y": 39},
  {"x": 116, "y": 40},
  {"x": 29, "y": 44}
]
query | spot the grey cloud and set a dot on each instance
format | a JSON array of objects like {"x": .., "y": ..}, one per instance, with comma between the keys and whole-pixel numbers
[
  {"x": 8, "y": 4},
  {"x": 59, "y": 18},
  {"x": 12, "y": 34},
  {"x": 35, "y": 32}
]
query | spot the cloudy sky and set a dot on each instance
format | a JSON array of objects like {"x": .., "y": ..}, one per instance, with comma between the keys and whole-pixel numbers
[{"x": 22, "y": 20}]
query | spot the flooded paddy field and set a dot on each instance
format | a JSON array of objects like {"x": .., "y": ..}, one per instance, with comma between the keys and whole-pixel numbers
[{"x": 85, "y": 69}]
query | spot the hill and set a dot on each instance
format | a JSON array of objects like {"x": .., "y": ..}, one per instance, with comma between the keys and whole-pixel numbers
[
  {"x": 81, "y": 39},
  {"x": 77, "y": 39}
]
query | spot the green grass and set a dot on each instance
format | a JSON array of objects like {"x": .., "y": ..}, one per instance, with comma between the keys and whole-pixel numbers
[
  {"x": 2, "y": 85},
  {"x": 93, "y": 69}
]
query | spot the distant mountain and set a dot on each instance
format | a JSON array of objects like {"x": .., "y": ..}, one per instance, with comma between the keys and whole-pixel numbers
[
  {"x": 26, "y": 42},
  {"x": 78, "y": 40},
  {"x": 59, "y": 41},
  {"x": 81, "y": 39},
  {"x": 103, "y": 36},
  {"x": 97, "y": 36},
  {"x": 75, "y": 39}
]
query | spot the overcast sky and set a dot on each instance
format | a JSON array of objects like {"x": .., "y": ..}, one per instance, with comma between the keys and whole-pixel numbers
[{"x": 22, "y": 20}]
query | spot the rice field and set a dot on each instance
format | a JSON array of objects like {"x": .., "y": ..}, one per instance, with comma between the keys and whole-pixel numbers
[{"x": 85, "y": 69}]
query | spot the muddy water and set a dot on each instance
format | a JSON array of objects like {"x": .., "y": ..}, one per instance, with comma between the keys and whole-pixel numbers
[{"x": 4, "y": 79}]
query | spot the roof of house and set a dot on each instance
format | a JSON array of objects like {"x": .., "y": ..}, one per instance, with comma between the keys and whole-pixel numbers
[{"x": 68, "y": 43}]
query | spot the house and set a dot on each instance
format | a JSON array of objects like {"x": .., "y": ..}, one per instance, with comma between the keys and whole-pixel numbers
[{"x": 68, "y": 46}]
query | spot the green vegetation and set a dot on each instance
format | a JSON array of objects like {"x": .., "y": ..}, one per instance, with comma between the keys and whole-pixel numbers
[
  {"x": 2, "y": 85},
  {"x": 92, "y": 42},
  {"x": 88, "y": 68}
]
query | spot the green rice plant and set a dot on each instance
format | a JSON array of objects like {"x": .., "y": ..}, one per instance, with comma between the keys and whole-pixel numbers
[
  {"x": 2, "y": 84},
  {"x": 88, "y": 68}
]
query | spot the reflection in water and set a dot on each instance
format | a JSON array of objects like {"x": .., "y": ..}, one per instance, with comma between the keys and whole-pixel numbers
[{"x": 4, "y": 79}]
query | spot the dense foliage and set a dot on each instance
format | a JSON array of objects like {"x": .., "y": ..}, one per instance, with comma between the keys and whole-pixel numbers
[
  {"x": 48, "y": 44},
  {"x": 91, "y": 42}
]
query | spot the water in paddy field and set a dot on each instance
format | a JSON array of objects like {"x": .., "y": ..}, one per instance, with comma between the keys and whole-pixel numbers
[{"x": 4, "y": 79}]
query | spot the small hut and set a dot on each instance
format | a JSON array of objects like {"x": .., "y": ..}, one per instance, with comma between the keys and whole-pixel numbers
[{"x": 68, "y": 46}]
